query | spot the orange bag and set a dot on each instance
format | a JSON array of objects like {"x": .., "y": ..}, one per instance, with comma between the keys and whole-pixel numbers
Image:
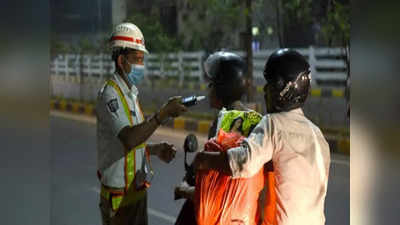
[{"x": 222, "y": 200}]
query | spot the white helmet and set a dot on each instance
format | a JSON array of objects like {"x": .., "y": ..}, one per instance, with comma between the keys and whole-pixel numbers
[{"x": 128, "y": 35}]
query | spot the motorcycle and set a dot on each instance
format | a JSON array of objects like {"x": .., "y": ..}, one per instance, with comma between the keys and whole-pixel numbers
[{"x": 187, "y": 214}]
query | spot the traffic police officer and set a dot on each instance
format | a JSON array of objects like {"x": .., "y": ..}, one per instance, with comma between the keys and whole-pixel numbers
[{"x": 122, "y": 131}]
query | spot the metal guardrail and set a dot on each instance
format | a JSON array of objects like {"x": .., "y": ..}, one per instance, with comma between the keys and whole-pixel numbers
[{"x": 327, "y": 65}]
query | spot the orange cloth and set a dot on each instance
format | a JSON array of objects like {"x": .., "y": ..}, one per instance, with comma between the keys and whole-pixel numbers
[
  {"x": 221, "y": 200},
  {"x": 270, "y": 200}
]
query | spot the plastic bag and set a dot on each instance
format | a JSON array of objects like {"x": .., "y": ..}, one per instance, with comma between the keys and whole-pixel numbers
[{"x": 222, "y": 200}]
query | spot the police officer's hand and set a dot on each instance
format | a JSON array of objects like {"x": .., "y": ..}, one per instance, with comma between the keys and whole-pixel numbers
[
  {"x": 165, "y": 151},
  {"x": 173, "y": 108}
]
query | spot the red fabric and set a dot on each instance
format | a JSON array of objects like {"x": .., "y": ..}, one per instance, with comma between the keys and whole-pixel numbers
[{"x": 222, "y": 200}]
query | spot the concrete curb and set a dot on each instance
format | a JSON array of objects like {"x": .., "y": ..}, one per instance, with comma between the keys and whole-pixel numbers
[
  {"x": 339, "y": 145},
  {"x": 200, "y": 126},
  {"x": 73, "y": 106},
  {"x": 329, "y": 93},
  {"x": 338, "y": 141}
]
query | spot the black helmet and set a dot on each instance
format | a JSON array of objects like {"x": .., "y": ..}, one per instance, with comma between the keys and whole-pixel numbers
[
  {"x": 288, "y": 78},
  {"x": 226, "y": 71}
]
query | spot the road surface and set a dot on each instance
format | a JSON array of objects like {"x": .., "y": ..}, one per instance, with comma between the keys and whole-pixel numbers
[{"x": 75, "y": 189}]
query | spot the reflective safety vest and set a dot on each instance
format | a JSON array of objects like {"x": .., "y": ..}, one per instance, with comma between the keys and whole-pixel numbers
[{"x": 130, "y": 195}]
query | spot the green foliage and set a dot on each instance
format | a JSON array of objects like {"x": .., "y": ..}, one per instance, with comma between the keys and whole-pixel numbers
[
  {"x": 103, "y": 45},
  {"x": 86, "y": 47},
  {"x": 156, "y": 39},
  {"x": 58, "y": 47},
  {"x": 297, "y": 11},
  {"x": 336, "y": 26},
  {"x": 336, "y": 29},
  {"x": 210, "y": 22}
]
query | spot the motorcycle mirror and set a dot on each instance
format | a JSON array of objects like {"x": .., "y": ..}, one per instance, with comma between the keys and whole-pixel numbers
[{"x": 191, "y": 144}]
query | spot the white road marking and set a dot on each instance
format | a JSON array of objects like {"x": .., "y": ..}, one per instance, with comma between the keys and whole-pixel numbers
[{"x": 151, "y": 211}]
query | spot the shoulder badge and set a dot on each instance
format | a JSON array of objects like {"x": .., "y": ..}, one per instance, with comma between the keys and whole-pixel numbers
[{"x": 113, "y": 105}]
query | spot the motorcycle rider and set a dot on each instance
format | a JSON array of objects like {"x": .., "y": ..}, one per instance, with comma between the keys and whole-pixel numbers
[
  {"x": 226, "y": 74},
  {"x": 296, "y": 146}
]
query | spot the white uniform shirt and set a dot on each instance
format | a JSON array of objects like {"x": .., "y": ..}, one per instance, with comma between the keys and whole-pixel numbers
[
  {"x": 111, "y": 118},
  {"x": 301, "y": 159}
]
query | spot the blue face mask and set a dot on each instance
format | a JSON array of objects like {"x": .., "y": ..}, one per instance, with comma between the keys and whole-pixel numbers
[{"x": 136, "y": 75}]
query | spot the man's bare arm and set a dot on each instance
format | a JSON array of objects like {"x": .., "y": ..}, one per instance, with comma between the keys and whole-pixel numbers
[
  {"x": 132, "y": 136},
  {"x": 212, "y": 161}
]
